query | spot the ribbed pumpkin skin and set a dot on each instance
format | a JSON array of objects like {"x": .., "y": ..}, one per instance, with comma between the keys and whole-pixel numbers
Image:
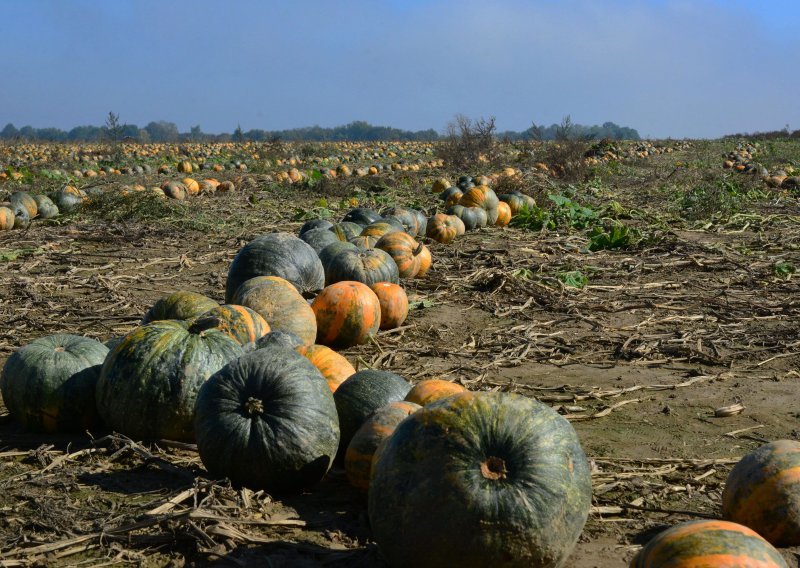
[
  {"x": 48, "y": 385},
  {"x": 361, "y": 395},
  {"x": 346, "y": 230},
  {"x": 366, "y": 266},
  {"x": 504, "y": 469},
  {"x": 457, "y": 223},
  {"x": 425, "y": 261},
  {"x": 763, "y": 492},
  {"x": 484, "y": 198},
  {"x": 241, "y": 323},
  {"x": 329, "y": 252},
  {"x": 276, "y": 254},
  {"x": 314, "y": 224},
  {"x": 708, "y": 544},
  {"x": 405, "y": 217},
  {"x": 431, "y": 390},
  {"x": 334, "y": 367},
  {"x": 284, "y": 441},
  {"x": 284, "y": 339},
  {"x": 47, "y": 209},
  {"x": 279, "y": 303},
  {"x": 318, "y": 239},
  {"x": 404, "y": 251},
  {"x": 382, "y": 227},
  {"x": 364, "y": 242},
  {"x": 348, "y": 313},
  {"x": 451, "y": 196},
  {"x": 439, "y": 230},
  {"x": 149, "y": 381},
  {"x": 378, "y": 427},
  {"x": 472, "y": 217},
  {"x": 503, "y": 214},
  {"x": 362, "y": 216},
  {"x": 394, "y": 304},
  {"x": 181, "y": 305},
  {"x": 7, "y": 219},
  {"x": 24, "y": 199}
]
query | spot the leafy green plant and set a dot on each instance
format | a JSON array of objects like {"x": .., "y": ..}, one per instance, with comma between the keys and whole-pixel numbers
[
  {"x": 614, "y": 236},
  {"x": 573, "y": 279},
  {"x": 784, "y": 270},
  {"x": 563, "y": 212}
]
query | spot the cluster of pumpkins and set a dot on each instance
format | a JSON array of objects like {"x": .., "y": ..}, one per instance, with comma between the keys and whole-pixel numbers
[{"x": 22, "y": 207}]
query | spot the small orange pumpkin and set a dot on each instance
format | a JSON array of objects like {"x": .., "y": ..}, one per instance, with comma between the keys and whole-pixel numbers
[
  {"x": 191, "y": 185},
  {"x": 503, "y": 214},
  {"x": 348, "y": 313},
  {"x": 6, "y": 219},
  {"x": 334, "y": 367},
  {"x": 394, "y": 304},
  {"x": 404, "y": 250},
  {"x": 431, "y": 390},
  {"x": 440, "y": 230}
]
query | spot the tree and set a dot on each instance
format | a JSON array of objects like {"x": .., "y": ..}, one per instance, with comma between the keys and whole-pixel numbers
[
  {"x": 162, "y": 131},
  {"x": 113, "y": 127},
  {"x": 9, "y": 132},
  {"x": 238, "y": 135},
  {"x": 196, "y": 133}
]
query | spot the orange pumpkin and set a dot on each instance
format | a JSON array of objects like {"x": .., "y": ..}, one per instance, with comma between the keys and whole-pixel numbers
[
  {"x": 334, "y": 367},
  {"x": 348, "y": 313},
  {"x": 243, "y": 324},
  {"x": 7, "y": 218},
  {"x": 185, "y": 167},
  {"x": 440, "y": 230},
  {"x": 191, "y": 185},
  {"x": 226, "y": 186},
  {"x": 431, "y": 390},
  {"x": 404, "y": 250},
  {"x": 425, "y": 260},
  {"x": 503, "y": 214},
  {"x": 394, "y": 304}
]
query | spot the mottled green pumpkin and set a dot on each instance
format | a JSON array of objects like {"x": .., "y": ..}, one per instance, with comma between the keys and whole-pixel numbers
[
  {"x": 276, "y": 254},
  {"x": 267, "y": 421},
  {"x": 377, "y": 428},
  {"x": 318, "y": 239},
  {"x": 367, "y": 266},
  {"x": 329, "y": 252},
  {"x": 361, "y": 395},
  {"x": 708, "y": 544},
  {"x": 346, "y": 230},
  {"x": 362, "y": 216},
  {"x": 47, "y": 209},
  {"x": 181, "y": 305},
  {"x": 314, "y": 224},
  {"x": 48, "y": 385},
  {"x": 472, "y": 217},
  {"x": 149, "y": 381},
  {"x": 480, "y": 479},
  {"x": 405, "y": 217},
  {"x": 284, "y": 339}
]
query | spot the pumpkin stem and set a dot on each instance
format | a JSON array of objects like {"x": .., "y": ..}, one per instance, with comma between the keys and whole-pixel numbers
[
  {"x": 418, "y": 249},
  {"x": 253, "y": 406},
  {"x": 200, "y": 325},
  {"x": 494, "y": 468}
]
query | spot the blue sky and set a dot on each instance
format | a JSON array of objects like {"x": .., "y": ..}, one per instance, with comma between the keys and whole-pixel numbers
[{"x": 676, "y": 68}]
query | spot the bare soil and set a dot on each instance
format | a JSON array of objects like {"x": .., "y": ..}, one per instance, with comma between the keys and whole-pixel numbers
[{"x": 639, "y": 359}]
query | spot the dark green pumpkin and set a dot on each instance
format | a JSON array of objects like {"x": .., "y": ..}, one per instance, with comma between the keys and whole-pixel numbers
[
  {"x": 181, "y": 305},
  {"x": 504, "y": 469},
  {"x": 329, "y": 252},
  {"x": 368, "y": 266},
  {"x": 361, "y": 395},
  {"x": 48, "y": 385},
  {"x": 267, "y": 421},
  {"x": 47, "y": 209},
  {"x": 149, "y": 381},
  {"x": 314, "y": 224},
  {"x": 472, "y": 217},
  {"x": 362, "y": 216},
  {"x": 422, "y": 222},
  {"x": 276, "y": 254},
  {"x": 284, "y": 339},
  {"x": 405, "y": 217},
  {"x": 319, "y": 238},
  {"x": 346, "y": 230}
]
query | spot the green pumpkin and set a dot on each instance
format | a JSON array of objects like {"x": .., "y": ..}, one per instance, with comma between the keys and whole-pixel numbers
[
  {"x": 472, "y": 217},
  {"x": 149, "y": 381},
  {"x": 362, "y": 216},
  {"x": 329, "y": 252},
  {"x": 49, "y": 384},
  {"x": 267, "y": 421},
  {"x": 480, "y": 479},
  {"x": 314, "y": 224},
  {"x": 361, "y": 395},
  {"x": 47, "y": 209},
  {"x": 368, "y": 266},
  {"x": 405, "y": 217},
  {"x": 346, "y": 230},
  {"x": 276, "y": 254},
  {"x": 181, "y": 305},
  {"x": 318, "y": 239}
]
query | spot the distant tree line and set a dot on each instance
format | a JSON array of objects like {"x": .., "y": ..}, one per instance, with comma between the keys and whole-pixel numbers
[
  {"x": 768, "y": 135},
  {"x": 358, "y": 131}
]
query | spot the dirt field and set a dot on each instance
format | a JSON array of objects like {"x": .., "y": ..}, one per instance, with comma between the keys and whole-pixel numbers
[{"x": 700, "y": 314}]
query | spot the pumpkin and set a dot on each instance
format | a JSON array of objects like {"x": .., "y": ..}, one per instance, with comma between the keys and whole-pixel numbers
[
  {"x": 484, "y": 198},
  {"x": 191, "y": 185},
  {"x": 503, "y": 214},
  {"x": 319, "y": 239},
  {"x": 348, "y": 313},
  {"x": 431, "y": 390},
  {"x": 276, "y": 254},
  {"x": 7, "y": 219},
  {"x": 457, "y": 223},
  {"x": 281, "y": 306},
  {"x": 226, "y": 185},
  {"x": 47, "y": 209},
  {"x": 708, "y": 543},
  {"x": 24, "y": 199},
  {"x": 472, "y": 217},
  {"x": 361, "y": 395},
  {"x": 241, "y": 323},
  {"x": 329, "y": 252},
  {"x": 394, "y": 304},
  {"x": 149, "y": 381},
  {"x": 48, "y": 385},
  {"x": 405, "y": 217},
  {"x": 378, "y": 427},
  {"x": 267, "y": 421},
  {"x": 22, "y": 217},
  {"x": 425, "y": 261},
  {"x": 382, "y": 227},
  {"x": 364, "y": 242},
  {"x": 284, "y": 339},
  {"x": 367, "y": 266},
  {"x": 422, "y": 222},
  {"x": 68, "y": 198},
  {"x": 517, "y": 201},
  {"x": 362, "y": 216},
  {"x": 175, "y": 190},
  {"x": 763, "y": 492},
  {"x": 404, "y": 250},
  {"x": 451, "y": 196},
  {"x": 505, "y": 469},
  {"x": 181, "y": 305},
  {"x": 346, "y": 230},
  {"x": 440, "y": 185},
  {"x": 334, "y": 367},
  {"x": 439, "y": 230}
]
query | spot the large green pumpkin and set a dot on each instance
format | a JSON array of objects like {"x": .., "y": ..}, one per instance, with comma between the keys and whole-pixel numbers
[
  {"x": 361, "y": 395},
  {"x": 276, "y": 254},
  {"x": 327, "y": 254},
  {"x": 318, "y": 239},
  {"x": 49, "y": 384},
  {"x": 181, "y": 305},
  {"x": 368, "y": 266},
  {"x": 362, "y": 216},
  {"x": 149, "y": 381},
  {"x": 267, "y": 421},
  {"x": 480, "y": 479}
]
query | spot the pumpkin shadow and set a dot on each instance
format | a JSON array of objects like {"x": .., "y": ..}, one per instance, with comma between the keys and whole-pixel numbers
[
  {"x": 15, "y": 437},
  {"x": 645, "y": 536},
  {"x": 138, "y": 479},
  {"x": 288, "y": 554}
]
